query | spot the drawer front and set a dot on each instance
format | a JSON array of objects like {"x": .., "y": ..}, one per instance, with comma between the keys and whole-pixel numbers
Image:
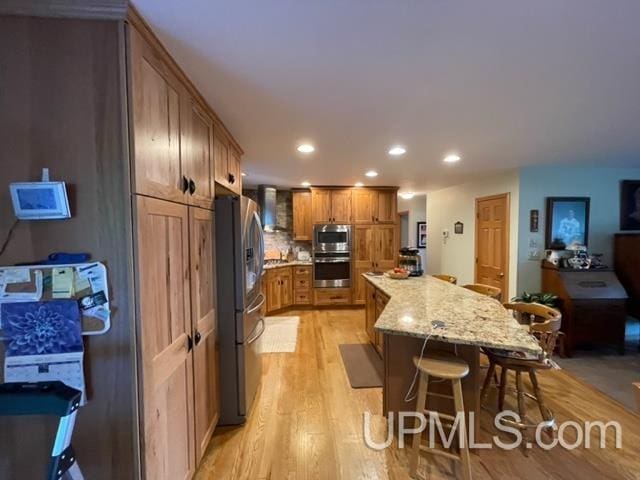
[
  {"x": 303, "y": 283},
  {"x": 303, "y": 298},
  {"x": 332, "y": 296},
  {"x": 302, "y": 272}
]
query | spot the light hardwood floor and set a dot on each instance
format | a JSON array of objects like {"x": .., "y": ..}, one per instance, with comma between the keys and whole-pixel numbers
[{"x": 307, "y": 423}]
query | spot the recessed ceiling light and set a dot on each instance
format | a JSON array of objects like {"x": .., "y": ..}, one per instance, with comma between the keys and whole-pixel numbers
[
  {"x": 306, "y": 148},
  {"x": 243, "y": 174},
  {"x": 371, "y": 173},
  {"x": 397, "y": 150},
  {"x": 407, "y": 195},
  {"x": 359, "y": 184},
  {"x": 453, "y": 158},
  {"x": 305, "y": 184}
]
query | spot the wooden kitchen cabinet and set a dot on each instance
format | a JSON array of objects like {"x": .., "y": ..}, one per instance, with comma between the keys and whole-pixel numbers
[
  {"x": 302, "y": 278},
  {"x": 197, "y": 148},
  {"x": 331, "y": 205},
  {"x": 227, "y": 163},
  {"x": 279, "y": 288},
  {"x": 376, "y": 301},
  {"x": 164, "y": 333},
  {"x": 386, "y": 209},
  {"x": 155, "y": 106},
  {"x": 206, "y": 355},
  {"x": 302, "y": 223},
  {"x": 364, "y": 203},
  {"x": 331, "y": 296},
  {"x": 374, "y": 249}
]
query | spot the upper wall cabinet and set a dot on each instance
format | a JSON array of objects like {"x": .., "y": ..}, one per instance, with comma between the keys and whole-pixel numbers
[
  {"x": 156, "y": 104},
  {"x": 374, "y": 206},
  {"x": 331, "y": 206},
  {"x": 227, "y": 163},
  {"x": 197, "y": 155},
  {"x": 302, "y": 224}
]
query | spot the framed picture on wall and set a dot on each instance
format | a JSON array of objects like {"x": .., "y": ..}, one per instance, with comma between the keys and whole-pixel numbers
[
  {"x": 567, "y": 222},
  {"x": 422, "y": 234},
  {"x": 630, "y": 205}
]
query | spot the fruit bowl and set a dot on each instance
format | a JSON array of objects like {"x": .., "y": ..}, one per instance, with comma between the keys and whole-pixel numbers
[{"x": 397, "y": 274}]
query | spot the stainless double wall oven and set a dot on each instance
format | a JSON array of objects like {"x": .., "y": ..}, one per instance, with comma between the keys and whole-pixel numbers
[{"x": 332, "y": 255}]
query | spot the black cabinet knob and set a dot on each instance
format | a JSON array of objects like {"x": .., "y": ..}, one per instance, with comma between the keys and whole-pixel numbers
[
  {"x": 192, "y": 186},
  {"x": 232, "y": 178},
  {"x": 189, "y": 343},
  {"x": 197, "y": 337},
  {"x": 185, "y": 184}
]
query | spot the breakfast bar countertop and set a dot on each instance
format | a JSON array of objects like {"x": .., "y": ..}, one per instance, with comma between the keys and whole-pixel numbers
[{"x": 470, "y": 318}]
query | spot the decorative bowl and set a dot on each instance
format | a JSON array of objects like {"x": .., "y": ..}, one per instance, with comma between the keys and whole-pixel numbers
[{"x": 397, "y": 276}]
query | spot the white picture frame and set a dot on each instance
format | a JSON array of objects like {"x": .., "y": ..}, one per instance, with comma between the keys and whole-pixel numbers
[{"x": 40, "y": 200}]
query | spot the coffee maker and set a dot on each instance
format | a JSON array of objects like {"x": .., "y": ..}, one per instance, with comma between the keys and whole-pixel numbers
[{"x": 410, "y": 260}]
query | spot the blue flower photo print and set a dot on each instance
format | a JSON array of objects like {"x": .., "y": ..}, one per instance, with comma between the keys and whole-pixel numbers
[{"x": 41, "y": 328}]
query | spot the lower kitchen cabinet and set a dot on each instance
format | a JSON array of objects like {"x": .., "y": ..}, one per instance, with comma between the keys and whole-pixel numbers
[
  {"x": 332, "y": 296},
  {"x": 302, "y": 284},
  {"x": 375, "y": 303},
  {"x": 177, "y": 334},
  {"x": 279, "y": 287}
]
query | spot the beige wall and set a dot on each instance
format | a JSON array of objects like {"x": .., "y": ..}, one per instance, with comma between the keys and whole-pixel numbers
[
  {"x": 417, "y": 208},
  {"x": 456, "y": 255}
]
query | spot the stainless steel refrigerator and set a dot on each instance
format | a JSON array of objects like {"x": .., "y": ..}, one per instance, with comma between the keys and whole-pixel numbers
[{"x": 240, "y": 265}]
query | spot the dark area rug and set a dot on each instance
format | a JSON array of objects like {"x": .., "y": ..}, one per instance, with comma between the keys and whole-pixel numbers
[{"x": 363, "y": 365}]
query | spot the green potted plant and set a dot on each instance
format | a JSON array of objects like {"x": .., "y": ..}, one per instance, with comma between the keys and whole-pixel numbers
[{"x": 548, "y": 299}]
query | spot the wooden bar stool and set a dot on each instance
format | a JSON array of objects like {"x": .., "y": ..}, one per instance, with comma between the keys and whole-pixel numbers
[
  {"x": 545, "y": 327},
  {"x": 442, "y": 366},
  {"x": 447, "y": 278},
  {"x": 488, "y": 290}
]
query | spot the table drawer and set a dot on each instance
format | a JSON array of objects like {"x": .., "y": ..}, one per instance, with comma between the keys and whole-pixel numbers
[{"x": 332, "y": 296}]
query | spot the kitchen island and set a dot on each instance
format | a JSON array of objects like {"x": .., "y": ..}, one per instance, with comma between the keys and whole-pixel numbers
[{"x": 471, "y": 321}]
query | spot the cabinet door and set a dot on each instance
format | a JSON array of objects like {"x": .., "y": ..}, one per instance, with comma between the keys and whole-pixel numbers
[
  {"x": 321, "y": 206},
  {"x": 385, "y": 247},
  {"x": 203, "y": 313},
  {"x": 235, "y": 175},
  {"x": 197, "y": 147},
  {"x": 363, "y": 254},
  {"x": 341, "y": 206},
  {"x": 286, "y": 287},
  {"x": 364, "y": 203},
  {"x": 221, "y": 157},
  {"x": 387, "y": 206},
  {"x": 164, "y": 334},
  {"x": 155, "y": 109},
  {"x": 302, "y": 225},
  {"x": 273, "y": 291},
  {"x": 370, "y": 311}
]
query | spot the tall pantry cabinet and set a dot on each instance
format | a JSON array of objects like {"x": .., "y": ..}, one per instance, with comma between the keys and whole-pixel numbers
[{"x": 175, "y": 145}]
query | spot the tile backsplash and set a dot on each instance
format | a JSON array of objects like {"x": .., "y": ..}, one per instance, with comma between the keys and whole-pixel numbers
[{"x": 281, "y": 240}]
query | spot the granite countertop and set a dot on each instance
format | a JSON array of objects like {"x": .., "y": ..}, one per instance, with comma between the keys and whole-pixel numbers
[
  {"x": 470, "y": 318},
  {"x": 294, "y": 263}
]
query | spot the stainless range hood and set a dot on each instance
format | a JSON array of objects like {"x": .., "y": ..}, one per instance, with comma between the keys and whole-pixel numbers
[{"x": 267, "y": 203}]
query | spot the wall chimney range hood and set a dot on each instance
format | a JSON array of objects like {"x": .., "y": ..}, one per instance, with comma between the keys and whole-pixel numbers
[{"x": 267, "y": 204}]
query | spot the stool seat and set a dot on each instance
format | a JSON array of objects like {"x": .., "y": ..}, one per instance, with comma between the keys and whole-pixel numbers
[{"x": 442, "y": 365}]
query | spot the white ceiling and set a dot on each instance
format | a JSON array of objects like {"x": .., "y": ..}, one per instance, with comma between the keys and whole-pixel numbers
[{"x": 505, "y": 83}]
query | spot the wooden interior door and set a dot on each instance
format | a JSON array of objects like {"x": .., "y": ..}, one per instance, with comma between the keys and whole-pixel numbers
[
  {"x": 155, "y": 105},
  {"x": 364, "y": 204},
  {"x": 387, "y": 206},
  {"x": 492, "y": 242},
  {"x": 321, "y": 206},
  {"x": 302, "y": 224},
  {"x": 221, "y": 157},
  {"x": 363, "y": 260},
  {"x": 386, "y": 249},
  {"x": 197, "y": 147},
  {"x": 165, "y": 327},
  {"x": 206, "y": 355},
  {"x": 341, "y": 206}
]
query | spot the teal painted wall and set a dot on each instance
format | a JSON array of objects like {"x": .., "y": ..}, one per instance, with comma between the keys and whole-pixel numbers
[{"x": 601, "y": 184}]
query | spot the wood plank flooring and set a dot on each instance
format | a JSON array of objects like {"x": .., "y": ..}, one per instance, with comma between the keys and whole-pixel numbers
[{"x": 307, "y": 423}]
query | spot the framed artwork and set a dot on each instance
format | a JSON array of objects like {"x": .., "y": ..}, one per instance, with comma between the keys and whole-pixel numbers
[
  {"x": 630, "y": 205},
  {"x": 422, "y": 234},
  {"x": 567, "y": 222},
  {"x": 534, "y": 219},
  {"x": 458, "y": 228}
]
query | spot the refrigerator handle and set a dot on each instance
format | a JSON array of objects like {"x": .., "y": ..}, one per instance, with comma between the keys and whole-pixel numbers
[
  {"x": 260, "y": 330},
  {"x": 257, "y": 307},
  {"x": 261, "y": 244}
]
